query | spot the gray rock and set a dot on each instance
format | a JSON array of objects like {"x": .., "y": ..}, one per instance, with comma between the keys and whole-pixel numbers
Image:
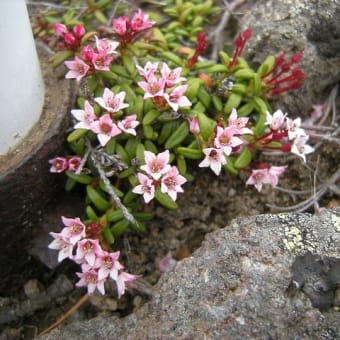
[
  {"x": 292, "y": 26},
  {"x": 245, "y": 282}
]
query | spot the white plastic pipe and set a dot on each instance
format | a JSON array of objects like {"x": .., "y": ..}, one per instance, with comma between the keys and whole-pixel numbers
[{"x": 21, "y": 83}]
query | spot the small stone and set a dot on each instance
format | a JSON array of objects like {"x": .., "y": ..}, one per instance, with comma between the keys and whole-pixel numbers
[
  {"x": 137, "y": 301},
  {"x": 31, "y": 288},
  {"x": 111, "y": 304}
]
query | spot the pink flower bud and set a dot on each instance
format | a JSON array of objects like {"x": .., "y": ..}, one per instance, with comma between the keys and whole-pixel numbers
[
  {"x": 78, "y": 31},
  {"x": 194, "y": 126},
  {"x": 70, "y": 39},
  {"x": 60, "y": 29},
  {"x": 87, "y": 53}
]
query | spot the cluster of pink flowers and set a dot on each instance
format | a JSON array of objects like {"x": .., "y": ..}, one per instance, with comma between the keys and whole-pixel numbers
[
  {"x": 98, "y": 59},
  {"x": 158, "y": 172},
  {"x": 97, "y": 264},
  {"x": 70, "y": 40},
  {"x": 60, "y": 164},
  {"x": 227, "y": 140},
  {"x": 164, "y": 89},
  {"x": 265, "y": 175},
  {"x": 105, "y": 126},
  {"x": 288, "y": 132},
  {"x": 127, "y": 29},
  {"x": 291, "y": 138},
  {"x": 284, "y": 77}
]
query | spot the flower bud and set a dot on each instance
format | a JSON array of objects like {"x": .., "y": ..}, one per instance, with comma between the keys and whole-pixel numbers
[
  {"x": 194, "y": 126},
  {"x": 78, "y": 31},
  {"x": 87, "y": 53},
  {"x": 60, "y": 29},
  {"x": 70, "y": 39}
]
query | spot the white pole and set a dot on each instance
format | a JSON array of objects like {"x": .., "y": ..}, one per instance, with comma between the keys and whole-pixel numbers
[{"x": 21, "y": 84}]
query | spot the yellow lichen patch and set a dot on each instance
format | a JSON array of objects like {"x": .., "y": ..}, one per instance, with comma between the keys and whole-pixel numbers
[
  {"x": 293, "y": 241},
  {"x": 336, "y": 222}
]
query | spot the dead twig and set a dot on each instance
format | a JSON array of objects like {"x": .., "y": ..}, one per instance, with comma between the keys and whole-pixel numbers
[
  {"x": 107, "y": 183},
  {"x": 216, "y": 35},
  {"x": 302, "y": 206},
  {"x": 76, "y": 306}
]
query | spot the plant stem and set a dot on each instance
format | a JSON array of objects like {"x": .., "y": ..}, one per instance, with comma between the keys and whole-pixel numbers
[{"x": 108, "y": 186}]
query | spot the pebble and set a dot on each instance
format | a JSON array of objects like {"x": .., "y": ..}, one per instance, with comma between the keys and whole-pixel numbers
[{"x": 31, "y": 288}]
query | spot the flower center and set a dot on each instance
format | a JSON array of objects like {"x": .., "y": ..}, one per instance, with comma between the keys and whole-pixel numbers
[
  {"x": 105, "y": 127},
  {"x": 88, "y": 247}
]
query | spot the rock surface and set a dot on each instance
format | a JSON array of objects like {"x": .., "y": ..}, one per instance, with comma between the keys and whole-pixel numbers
[
  {"x": 245, "y": 282},
  {"x": 26, "y": 185},
  {"x": 291, "y": 26}
]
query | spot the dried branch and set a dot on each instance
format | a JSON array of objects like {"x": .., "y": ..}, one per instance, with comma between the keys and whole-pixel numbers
[
  {"x": 216, "y": 35},
  {"x": 302, "y": 206},
  {"x": 108, "y": 186}
]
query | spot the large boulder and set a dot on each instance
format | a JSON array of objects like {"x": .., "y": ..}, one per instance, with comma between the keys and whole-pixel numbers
[
  {"x": 291, "y": 26},
  {"x": 262, "y": 277}
]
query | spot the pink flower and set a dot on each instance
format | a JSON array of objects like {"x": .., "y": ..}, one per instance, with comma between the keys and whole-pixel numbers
[
  {"x": 214, "y": 158},
  {"x": 167, "y": 264},
  {"x": 58, "y": 164},
  {"x": 176, "y": 98},
  {"x": 194, "y": 126},
  {"x": 85, "y": 117},
  {"x": 128, "y": 124},
  {"x": 106, "y": 46},
  {"x": 62, "y": 244},
  {"x": 74, "y": 231},
  {"x": 90, "y": 279},
  {"x": 105, "y": 129},
  {"x": 172, "y": 77},
  {"x": 101, "y": 61},
  {"x": 77, "y": 69},
  {"x": 225, "y": 140},
  {"x": 153, "y": 87},
  {"x": 276, "y": 120},
  {"x": 108, "y": 265},
  {"x": 293, "y": 128},
  {"x": 140, "y": 22},
  {"x": 120, "y": 25},
  {"x": 156, "y": 165},
  {"x": 300, "y": 147},
  {"x": 145, "y": 188},
  {"x": 87, "y": 251},
  {"x": 238, "y": 124},
  {"x": 171, "y": 183},
  {"x": 274, "y": 172},
  {"x": 149, "y": 70},
  {"x": 258, "y": 177},
  {"x": 123, "y": 279},
  {"x": 73, "y": 163},
  {"x": 112, "y": 102}
]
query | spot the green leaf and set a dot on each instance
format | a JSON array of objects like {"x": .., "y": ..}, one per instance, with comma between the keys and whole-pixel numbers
[
  {"x": 244, "y": 158},
  {"x": 165, "y": 200},
  {"x": 178, "y": 136},
  {"x": 206, "y": 125}
]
